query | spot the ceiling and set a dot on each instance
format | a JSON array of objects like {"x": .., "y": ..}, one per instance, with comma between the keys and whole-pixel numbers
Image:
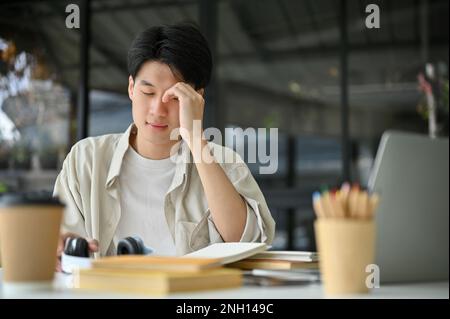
[{"x": 287, "y": 47}]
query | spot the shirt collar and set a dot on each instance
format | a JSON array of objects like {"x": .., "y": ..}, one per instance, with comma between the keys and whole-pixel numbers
[{"x": 182, "y": 164}]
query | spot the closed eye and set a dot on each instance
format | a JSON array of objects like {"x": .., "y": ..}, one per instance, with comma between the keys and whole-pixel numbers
[{"x": 148, "y": 93}]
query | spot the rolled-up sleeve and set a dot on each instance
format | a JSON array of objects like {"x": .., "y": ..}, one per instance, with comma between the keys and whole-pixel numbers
[
  {"x": 254, "y": 230},
  {"x": 259, "y": 226}
]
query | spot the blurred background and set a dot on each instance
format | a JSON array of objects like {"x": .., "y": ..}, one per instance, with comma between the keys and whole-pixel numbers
[{"x": 312, "y": 69}]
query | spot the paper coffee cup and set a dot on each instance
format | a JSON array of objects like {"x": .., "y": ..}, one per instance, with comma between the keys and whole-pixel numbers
[
  {"x": 346, "y": 247},
  {"x": 29, "y": 232}
]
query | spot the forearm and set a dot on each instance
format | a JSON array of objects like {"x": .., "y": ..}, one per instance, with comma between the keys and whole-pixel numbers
[{"x": 227, "y": 207}]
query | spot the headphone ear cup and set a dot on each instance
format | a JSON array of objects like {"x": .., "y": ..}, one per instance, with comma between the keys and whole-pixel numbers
[
  {"x": 76, "y": 246},
  {"x": 139, "y": 244},
  {"x": 129, "y": 246},
  {"x": 68, "y": 246},
  {"x": 82, "y": 247}
]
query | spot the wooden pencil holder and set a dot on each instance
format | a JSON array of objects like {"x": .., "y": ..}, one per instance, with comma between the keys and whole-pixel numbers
[{"x": 346, "y": 247}]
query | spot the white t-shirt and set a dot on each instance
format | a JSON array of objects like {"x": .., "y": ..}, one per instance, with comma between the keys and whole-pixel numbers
[{"x": 143, "y": 185}]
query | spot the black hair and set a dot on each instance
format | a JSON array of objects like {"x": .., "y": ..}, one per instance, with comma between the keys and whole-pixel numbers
[{"x": 182, "y": 47}]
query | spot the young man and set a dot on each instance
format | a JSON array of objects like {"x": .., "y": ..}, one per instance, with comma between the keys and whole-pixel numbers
[{"x": 146, "y": 183}]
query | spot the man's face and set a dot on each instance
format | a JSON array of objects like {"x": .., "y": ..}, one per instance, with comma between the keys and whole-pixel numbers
[{"x": 153, "y": 118}]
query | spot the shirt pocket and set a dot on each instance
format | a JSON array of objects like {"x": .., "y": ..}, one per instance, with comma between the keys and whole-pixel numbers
[
  {"x": 192, "y": 236},
  {"x": 200, "y": 235}
]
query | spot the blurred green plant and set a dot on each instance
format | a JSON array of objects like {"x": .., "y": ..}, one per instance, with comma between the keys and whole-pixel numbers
[
  {"x": 272, "y": 120},
  {"x": 3, "y": 188},
  {"x": 21, "y": 155}
]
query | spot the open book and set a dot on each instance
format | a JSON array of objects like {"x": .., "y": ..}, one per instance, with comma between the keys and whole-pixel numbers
[
  {"x": 228, "y": 252},
  {"x": 256, "y": 256},
  {"x": 210, "y": 257}
]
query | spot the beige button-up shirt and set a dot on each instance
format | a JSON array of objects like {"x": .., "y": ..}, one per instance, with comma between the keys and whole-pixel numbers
[{"x": 89, "y": 185}]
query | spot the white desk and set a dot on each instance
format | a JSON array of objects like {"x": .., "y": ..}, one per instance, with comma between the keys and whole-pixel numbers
[{"x": 436, "y": 290}]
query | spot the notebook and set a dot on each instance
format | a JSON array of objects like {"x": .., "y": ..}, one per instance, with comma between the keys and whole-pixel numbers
[
  {"x": 299, "y": 256},
  {"x": 287, "y": 275},
  {"x": 154, "y": 282},
  {"x": 273, "y": 264},
  {"x": 228, "y": 252}
]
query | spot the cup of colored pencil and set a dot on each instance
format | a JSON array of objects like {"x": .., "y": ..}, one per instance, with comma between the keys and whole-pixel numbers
[
  {"x": 345, "y": 237},
  {"x": 346, "y": 202}
]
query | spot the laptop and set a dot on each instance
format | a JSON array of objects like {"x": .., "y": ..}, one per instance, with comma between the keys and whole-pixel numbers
[{"x": 411, "y": 175}]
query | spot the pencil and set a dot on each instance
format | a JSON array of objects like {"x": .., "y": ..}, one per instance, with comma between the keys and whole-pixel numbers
[
  {"x": 352, "y": 202},
  {"x": 317, "y": 204},
  {"x": 345, "y": 190},
  {"x": 328, "y": 205},
  {"x": 337, "y": 203},
  {"x": 362, "y": 207}
]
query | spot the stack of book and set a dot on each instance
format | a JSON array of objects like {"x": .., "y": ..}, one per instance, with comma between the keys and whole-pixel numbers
[
  {"x": 265, "y": 267},
  {"x": 201, "y": 270},
  {"x": 277, "y": 260},
  {"x": 155, "y": 275}
]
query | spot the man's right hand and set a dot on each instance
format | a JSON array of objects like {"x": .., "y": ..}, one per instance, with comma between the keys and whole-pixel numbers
[{"x": 93, "y": 247}]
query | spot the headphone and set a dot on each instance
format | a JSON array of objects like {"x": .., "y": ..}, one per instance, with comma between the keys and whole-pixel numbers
[
  {"x": 78, "y": 246},
  {"x": 133, "y": 246}
]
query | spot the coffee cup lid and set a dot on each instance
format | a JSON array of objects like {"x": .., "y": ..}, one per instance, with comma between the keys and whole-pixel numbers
[{"x": 29, "y": 198}]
